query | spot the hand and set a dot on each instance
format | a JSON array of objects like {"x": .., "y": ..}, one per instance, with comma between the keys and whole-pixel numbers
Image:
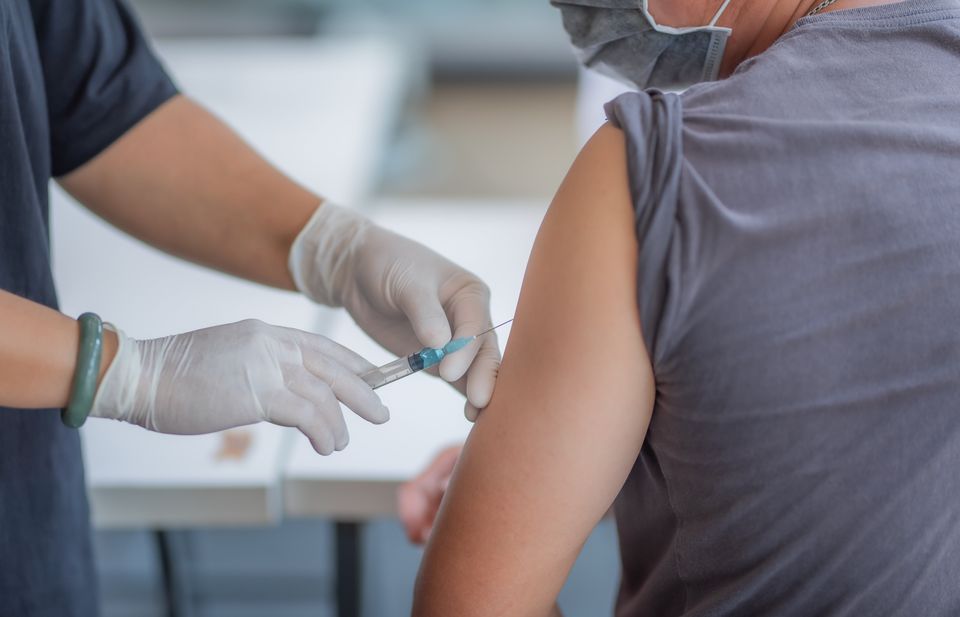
[
  {"x": 401, "y": 293},
  {"x": 418, "y": 500},
  {"x": 237, "y": 374}
]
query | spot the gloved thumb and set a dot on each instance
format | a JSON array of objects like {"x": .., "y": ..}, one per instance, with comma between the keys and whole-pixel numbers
[{"x": 426, "y": 315}]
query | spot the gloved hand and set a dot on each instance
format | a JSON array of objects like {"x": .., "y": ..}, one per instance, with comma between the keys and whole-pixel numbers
[
  {"x": 237, "y": 374},
  {"x": 401, "y": 293},
  {"x": 418, "y": 500}
]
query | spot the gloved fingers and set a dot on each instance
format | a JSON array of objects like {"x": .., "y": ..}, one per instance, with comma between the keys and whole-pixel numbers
[
  {"x": 482, "y": 375},
  {"x": 470, "y": 412},
  {"x": 297, "y": 412},
  {"x": 429, "y": 321},
  {"x": 313, "y": 345},
  {"x": 307, "y": 386},
  {"x": 454, "y": 366},
  {"x": 347, "y": 387},
  {"x": 470, "y": 314},
  {"x": 393, "y": 333}
]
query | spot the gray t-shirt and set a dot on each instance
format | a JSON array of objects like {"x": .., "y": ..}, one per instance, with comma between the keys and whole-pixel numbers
[{"x": 799, "y": 290}]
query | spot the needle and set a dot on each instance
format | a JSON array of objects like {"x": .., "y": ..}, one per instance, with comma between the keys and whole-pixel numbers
[
  {"x": 416, "y": 362},
  {"x": 493, "y": 328}
]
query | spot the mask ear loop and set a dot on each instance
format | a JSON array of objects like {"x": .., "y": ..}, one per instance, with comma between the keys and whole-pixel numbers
[{"x": 716, "y": 18}]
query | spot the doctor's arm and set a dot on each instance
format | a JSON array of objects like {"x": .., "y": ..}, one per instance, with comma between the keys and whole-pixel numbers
[
  {"x": 184, "y": 182},
  {"x": 569, "y": 415},
  {"x": 38, "y": 354},
  {"x": 181, "y": 180}
]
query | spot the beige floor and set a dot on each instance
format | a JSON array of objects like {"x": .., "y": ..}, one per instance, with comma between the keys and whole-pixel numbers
[{"x": 487, "y": 140}]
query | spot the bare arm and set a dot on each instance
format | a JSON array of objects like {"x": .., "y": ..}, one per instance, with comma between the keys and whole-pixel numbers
[
  {"x": 182, "y": 181},
  {"x": 568, "y": 417},
  {"x": 38, "y": 354}
]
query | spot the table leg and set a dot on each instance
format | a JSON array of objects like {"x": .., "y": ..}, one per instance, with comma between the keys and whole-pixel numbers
[
  {"x": 349, "y": 568},
  {"x": 176, "y": 590}
]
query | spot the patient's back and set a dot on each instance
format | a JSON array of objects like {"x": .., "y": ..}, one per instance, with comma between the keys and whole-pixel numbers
[{"x": 799, "y": 289}]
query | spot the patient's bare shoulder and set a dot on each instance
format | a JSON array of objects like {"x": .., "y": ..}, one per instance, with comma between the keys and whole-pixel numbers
[{"x": 568, "y": 416}]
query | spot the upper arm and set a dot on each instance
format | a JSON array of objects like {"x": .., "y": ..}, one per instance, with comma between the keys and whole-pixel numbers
[{"x": 569, "y": 414}]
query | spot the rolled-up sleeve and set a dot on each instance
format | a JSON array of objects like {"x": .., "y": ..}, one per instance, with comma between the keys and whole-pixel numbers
[{"x": 652, "y": 125}]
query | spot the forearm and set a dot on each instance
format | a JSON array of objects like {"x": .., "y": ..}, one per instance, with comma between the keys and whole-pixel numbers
[
  {"x": 182, "y": 181},
  {"x": 38, "y": 354}
]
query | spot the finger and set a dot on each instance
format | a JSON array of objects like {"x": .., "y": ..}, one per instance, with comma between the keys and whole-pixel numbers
[
  {"x": 442, "y": 466},
  {"x": 307, "y": 386},
  {"x": 433, "y": 481},
  {"x": 482, "y": 375},
  {"x": 427, "y": 317},
  {"x": 418, "y": 511},
  {"x": 347, "y": 387},
  {"x": 393, "y": 333},
  {"x": 411, "y": 508},
  {"x": 313, "y": 345},
  {"x": 470, "y": 314},
  {"x": 297, "y": 412},
  {"x": 433, "y": 510},
  {"x": 419, "y": 499},
  {"x": 470, "y": 412}
]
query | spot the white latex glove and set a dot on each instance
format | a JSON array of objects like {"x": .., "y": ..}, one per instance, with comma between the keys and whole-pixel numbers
[
  {"x": 404, "y": 295},
  {"x": 237, "y": 374}
]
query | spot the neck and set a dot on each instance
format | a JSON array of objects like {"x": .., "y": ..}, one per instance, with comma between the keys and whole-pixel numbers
[{"x": 760, "y": 29}]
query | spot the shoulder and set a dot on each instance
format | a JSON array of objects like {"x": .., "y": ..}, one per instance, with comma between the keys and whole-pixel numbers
[
  {"x": 530, "y": 485},
  {"x": 772, "y": 83}
]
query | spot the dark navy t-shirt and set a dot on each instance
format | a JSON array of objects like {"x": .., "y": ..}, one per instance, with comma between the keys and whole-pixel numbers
[{"x": 75, "y": 75}]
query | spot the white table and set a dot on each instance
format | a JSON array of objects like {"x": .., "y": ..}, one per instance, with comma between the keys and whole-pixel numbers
[
  {"x": 494, "y": 241},
  {"x": 321, "y": 111}
]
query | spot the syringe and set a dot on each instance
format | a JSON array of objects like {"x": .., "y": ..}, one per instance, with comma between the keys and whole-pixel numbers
[{"x": 416, "y": 362}]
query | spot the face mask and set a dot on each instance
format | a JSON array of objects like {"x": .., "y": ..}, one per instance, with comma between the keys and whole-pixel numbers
[{"x": 620, "y": 39}]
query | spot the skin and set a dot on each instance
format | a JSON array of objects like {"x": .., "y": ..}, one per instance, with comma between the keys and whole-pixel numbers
[
  {"x": 532, "y": 481},
  {"x": 756, "y": 23},
  {"x": 182, "y": 181},
  {"x": 38, "y": 354},
  {"x": 419, "y": 499},
  {"x": 523, "y": 499}
]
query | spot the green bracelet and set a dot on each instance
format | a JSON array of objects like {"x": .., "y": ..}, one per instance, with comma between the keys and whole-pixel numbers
[{"x": 84, "y": 387}]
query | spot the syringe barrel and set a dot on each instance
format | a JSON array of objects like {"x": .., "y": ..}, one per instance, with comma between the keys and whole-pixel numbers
[
  {"x": 392, "y": 371},
  {"x": 401, "y": 367}
]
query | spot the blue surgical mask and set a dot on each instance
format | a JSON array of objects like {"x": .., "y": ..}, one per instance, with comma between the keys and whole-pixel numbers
[{"x": 620, "y": 39}]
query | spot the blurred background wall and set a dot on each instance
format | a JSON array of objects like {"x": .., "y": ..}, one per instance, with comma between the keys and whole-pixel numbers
[
  {"x": 498, "y": 81},
  {"x": 488, "y": 114}
]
